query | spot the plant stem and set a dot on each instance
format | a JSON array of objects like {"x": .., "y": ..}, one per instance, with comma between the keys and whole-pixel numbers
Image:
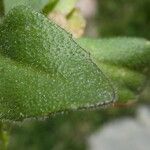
[{"x": 3, "y": 137}]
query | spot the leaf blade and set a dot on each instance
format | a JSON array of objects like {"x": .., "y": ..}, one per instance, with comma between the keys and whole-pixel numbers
[
  {"x": 133, "y": 53},
  {"x": 119, "y": 59},
  {"x": 36, "y": 4},
  {"x": 45, "y": 61}
]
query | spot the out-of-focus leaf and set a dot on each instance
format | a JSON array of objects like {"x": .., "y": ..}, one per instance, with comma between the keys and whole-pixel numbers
[
  {"x": 43, "y": 70},
  {"x": 68, "y": 17},
  {"x": 128, "y": 83},
  {"x": 76, "y": 23},
  {"x": 126, "y": 95},
  {"x": 123, "y": 77},
  {"x": 118, "y": 58},
  {"x": 36, "y": 4},
  {"x": 58, "y": 18},
  {"x": 50, "y": 6},
  {"x": 65, "y": 6},
  {"x": 129, "y": 52}
]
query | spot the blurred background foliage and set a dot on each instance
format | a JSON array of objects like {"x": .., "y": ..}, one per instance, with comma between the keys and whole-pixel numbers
[
  {"x": 124, "y": 18},
  {"x": 99, "y": 18}
]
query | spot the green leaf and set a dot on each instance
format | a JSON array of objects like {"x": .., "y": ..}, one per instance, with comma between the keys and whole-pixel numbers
[
  {"x": 126, "y": 95},
  {"x": 122, "y": 60},
  {"x": 133, "y": 53},
  {"x": 43, "y": 70},
  {"x": 36, "y": 4},
  {"x": 123, "y": 77},
  {"x": 128, "y": 83}
]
